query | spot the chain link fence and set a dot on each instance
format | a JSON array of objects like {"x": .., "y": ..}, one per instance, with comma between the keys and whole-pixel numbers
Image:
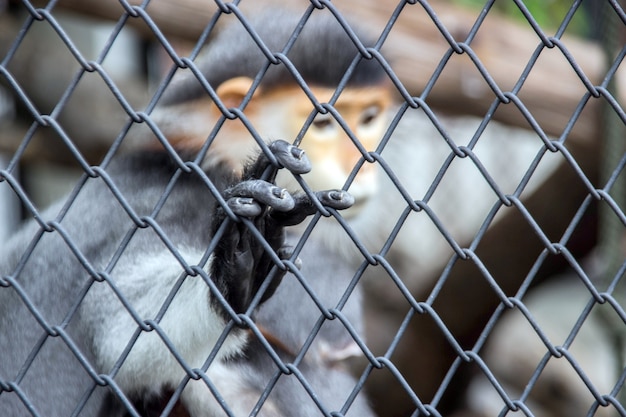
[{"x": 490, "y": 267}]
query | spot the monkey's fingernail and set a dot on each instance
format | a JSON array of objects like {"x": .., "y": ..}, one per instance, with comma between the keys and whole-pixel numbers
[
  {"x": 244, "y": 206},
  {"x": 244, "y": 201},
  {"x": 337, "y": 199},
  {"x": 298, "y": 263},
  {"x": 336, "y": 195},
  {"x": 286, "y": 252},
  {"x": 279, "y": 192},
  {"x": 297, "y": 153}
]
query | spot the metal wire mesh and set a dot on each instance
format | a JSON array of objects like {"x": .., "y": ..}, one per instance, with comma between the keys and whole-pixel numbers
[{"x": 602, "y": 290}]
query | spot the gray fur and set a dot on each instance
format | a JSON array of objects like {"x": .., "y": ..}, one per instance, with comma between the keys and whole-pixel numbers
[
  {"x": 60, "y": 287},
  {"x": 53, "y": 280},
  {"x": 321, "y": 54},
  {"x": 291, "y": 316},
  {"x": 331, "y": 387},
  {"x": 329, "y": 276}
]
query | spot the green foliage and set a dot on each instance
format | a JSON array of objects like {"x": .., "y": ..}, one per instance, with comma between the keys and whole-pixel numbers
[{"x": 549, "y": 14}]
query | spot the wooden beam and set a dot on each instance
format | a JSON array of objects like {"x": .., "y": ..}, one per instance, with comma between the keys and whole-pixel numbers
[{"x": 415, "y": 46}]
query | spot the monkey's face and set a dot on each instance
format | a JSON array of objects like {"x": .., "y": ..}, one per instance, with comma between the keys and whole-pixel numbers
[{"x": 332, "y": 143}]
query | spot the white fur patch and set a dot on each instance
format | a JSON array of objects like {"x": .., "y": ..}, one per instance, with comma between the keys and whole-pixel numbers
[{"x": 189, "y": 322}]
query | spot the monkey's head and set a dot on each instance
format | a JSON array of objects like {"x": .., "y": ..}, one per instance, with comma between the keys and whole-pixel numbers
[{"x": 281, "y": 105}]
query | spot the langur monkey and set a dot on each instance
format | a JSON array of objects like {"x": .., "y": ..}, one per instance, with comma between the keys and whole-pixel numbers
[
  {"x": 287, "y": 319},
  {"x": 60, "y": 377},
  {"x": 65, "y": 307},
  {"x": 279, "y": 107}
]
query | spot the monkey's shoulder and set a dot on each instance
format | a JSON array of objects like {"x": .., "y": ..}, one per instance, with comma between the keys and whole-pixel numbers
[
  {"x": 152, "y": 166},
  {"x": 157, "y": 169}
]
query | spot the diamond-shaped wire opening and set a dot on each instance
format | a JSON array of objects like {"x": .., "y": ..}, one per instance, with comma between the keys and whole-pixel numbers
[{"x": 419, "y": 204}]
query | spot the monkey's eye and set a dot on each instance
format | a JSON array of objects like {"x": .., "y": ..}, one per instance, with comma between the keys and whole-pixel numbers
[
  {"x": 370, "y": 114},
  {"x": 322, "y": 121}
]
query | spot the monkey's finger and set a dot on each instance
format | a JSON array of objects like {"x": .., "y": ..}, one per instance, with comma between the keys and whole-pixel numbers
[
  {"x": 244, "y": 206},
  {"x": 286, "y": 252},
  {"x": 263, "y": 192},
  {"x": 291, "y": 157},
  {"x": 337, "y": 199}
]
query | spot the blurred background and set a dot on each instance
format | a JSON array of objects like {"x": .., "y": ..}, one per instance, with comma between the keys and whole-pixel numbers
[{"x": 540, "y": 261}]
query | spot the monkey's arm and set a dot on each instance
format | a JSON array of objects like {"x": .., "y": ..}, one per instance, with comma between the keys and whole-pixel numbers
[
  {"x": 239, "y": 266},
  {"x": 270, "y": 209}
]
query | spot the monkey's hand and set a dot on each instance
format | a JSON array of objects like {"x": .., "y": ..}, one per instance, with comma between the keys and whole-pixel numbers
[{"x": 242, "y": 261}]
